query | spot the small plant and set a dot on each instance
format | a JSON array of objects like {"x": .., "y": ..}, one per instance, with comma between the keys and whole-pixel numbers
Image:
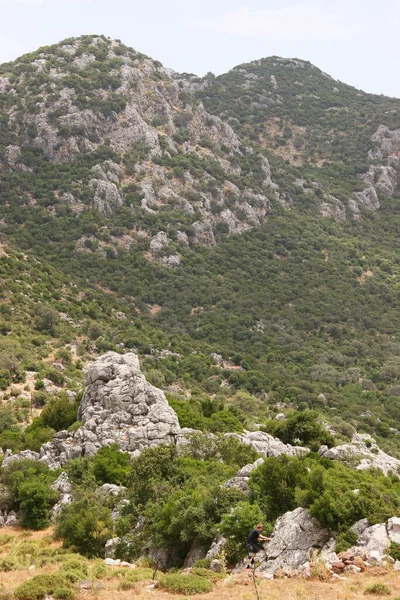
[
  {"x": 39, "y": 587},
  {"x": 185, "y": 584},
  {"x": 378, "y": 589},
  {"x": 64, "y": 593},
  {"x": 394, "y": 551}
]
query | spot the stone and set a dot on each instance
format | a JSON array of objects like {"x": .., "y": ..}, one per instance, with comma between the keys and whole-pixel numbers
[
  {"x": 296, "y": 535},
  {"x": 216, "y": 546},
  {"x": 266, "y": 444},
  {"x": 62, "y": 484},
  {"x": 216, "y": 565},
  {"x": 393, "y": 529},
  {"x": 360, "y": 526},
  {"x": 12, "y": 519},
  {"x": 111, "y": 547},
  {"x": 396, "y": 566},
  {"x": 25, "y": 454},
  {"x": 197, "y": 552},
  {"x": 352, "y": 569},
  {"x": 374, "y": 539},
  {"x": 118, "y": 406},
  {"x": 363, "y": 447}
]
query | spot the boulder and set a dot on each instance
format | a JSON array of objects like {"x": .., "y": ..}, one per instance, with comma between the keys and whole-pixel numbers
[
  {"x": 111, "y": 547},
  {"x": 118, "y": 407},
  {"x": 296, "y": 535},
  {"x": 266, "y": 444},
  {"x": 217, "y": 545},
  {"x": 393, "y": 529},
  {"x": 363, "y": 447}
]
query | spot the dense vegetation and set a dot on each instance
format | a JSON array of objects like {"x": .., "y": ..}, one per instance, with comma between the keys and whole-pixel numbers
[{"x": 299, "y": 316}]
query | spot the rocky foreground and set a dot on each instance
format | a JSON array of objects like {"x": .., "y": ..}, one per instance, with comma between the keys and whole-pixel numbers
[{"x": 120, "y": 406}]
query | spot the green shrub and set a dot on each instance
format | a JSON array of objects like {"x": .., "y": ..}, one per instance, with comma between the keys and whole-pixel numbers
[
  {"x": 394, "y": 550},
  {"x": 202, "y": 563},
  {"x": 237, "y": 524},
  {"x": 34, "y": 497},
  {"x": 98, "y": 569},
  {"x": 85, "y": 525},
  {"x": 185, "y": 584},
  {"x": 207, "y": 573},
  {"x": 378, "y": 589},
  {"x": 64, "y": 593},
  {"x": 7, "y": 564},
  {"x": 345, "y": 540},
  {"x": 39, "y": 587},
  {"x": 110, "y": 465}
]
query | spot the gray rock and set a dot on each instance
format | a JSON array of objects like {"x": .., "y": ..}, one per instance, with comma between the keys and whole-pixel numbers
[
  {"x": 216, "y": 565},
  {"x": 62, "y": 484},
  {"x": 111, "y": 547},
  {"x": 107, "y": 197},
  {"x": 216, "y": 547},
  {"x": 393, "y": 529},
  {"x": 12, "y": 519},
  {"x": 266, "y": 444},
  {"x": 118, "y": 406},
  {"x": 374, "y": 539},
  {"x": 396, "y": 566},
  {"x": 363, "y": 447},
  {"x": 197, "y": 552},
  {"x": 360, "y": 526},
  {"x": 296, "y": 535},
  {"x": 108, "y": 490},
  {"x": 25, "y": 454}
]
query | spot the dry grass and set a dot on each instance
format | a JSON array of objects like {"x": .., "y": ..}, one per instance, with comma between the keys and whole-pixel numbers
[{"x": 237, "y": 587}]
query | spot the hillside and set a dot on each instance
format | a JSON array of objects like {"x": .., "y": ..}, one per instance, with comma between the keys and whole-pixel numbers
[{"x": 191, "y": 220}]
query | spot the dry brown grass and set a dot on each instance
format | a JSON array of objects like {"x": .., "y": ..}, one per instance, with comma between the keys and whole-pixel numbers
[{"x": 236, "y": 587}]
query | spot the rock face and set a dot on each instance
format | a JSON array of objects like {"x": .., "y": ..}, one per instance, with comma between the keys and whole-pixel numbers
[
  {"x": 382, "y": 177},
  {"x": 364, "y": 447},
  {"x": 296, "y": 535},
  {"x": 118, "y": 406},
  {"x": 266, "y": 444}
]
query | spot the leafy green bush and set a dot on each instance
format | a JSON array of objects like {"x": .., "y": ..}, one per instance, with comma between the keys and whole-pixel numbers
[
  {"x": 59, "y": 413},
  {"x": 394, "y": 550},
  {"x": 345, "y": 540},
  {"x": 110, "y": 465},
  {"x": 64, "y": 593},
  {"x": 39, "y": 587},
  {"x": 378, "y": 589},
  {"x": 236, "y": 526},
  {"x": 34, "y": 500},
  {"x": 185, "y": 584},
  {"x": 85, "y": 525}
]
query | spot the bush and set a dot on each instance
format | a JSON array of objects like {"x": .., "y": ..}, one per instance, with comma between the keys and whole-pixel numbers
[
  {"x": 110, "y": 465},
  {"x": 345, "y": 540},
  {"x": 378, "y": 589},
  {"x": 64, "y": 593},
  {"x": 394, "y": 550},
  {"x": 236, "y": 526},
  {"x": 85, "y": 525},
  {"x": 185, "y": 584},
  {"x": 34, "y": 497},
  {"x": 59, "y": 413},
  {"x": 39, "y": 587}
]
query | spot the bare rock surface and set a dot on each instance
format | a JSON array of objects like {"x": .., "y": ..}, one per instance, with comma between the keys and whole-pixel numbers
[
  {"x": 363, "y": 447},
  {"x": 296, "y": 535},
  {"x": 118, "y": 406},
  {"x": 267, "y": 445}
]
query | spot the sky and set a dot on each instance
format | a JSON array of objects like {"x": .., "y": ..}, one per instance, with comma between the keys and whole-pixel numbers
[{"x": 355, "y": 41}]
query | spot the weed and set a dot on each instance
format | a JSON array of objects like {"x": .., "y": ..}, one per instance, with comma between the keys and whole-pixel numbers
[{"x": 378, "y": 589}]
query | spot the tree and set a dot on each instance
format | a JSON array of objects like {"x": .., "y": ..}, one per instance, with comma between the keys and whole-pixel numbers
[{"x": 85, "y": 525}]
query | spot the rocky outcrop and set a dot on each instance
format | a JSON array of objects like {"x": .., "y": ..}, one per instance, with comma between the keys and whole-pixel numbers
[
  {"x": 382, "y": 177},
  {"x": 296, "y": 535},
  {"x": 364, "y": 448},
  {"x": 267, "y": 445},
  {"x": 118, "y": 406}
]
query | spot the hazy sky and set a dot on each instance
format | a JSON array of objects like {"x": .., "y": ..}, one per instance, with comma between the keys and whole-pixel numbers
[{"x": 355, "y": 41}]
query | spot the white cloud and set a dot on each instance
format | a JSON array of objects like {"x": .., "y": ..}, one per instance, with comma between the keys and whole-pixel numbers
[
  {"x": 41, "y": 3},
  {"x": 304, "y": 21}
]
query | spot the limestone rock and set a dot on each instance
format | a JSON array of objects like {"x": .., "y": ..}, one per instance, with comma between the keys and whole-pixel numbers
[
  {"x": 111, "y": 547},
  {"x": 266, "y": 444},
  {"x": 364, "y": 447},
  {"x": 216, "y": 546},
  {"x": 296, "y": 535},
  {"x": 393, "y": 529},
  {"x": 118, "y": 406}
]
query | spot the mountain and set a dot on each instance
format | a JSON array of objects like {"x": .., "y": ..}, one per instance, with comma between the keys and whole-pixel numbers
[{"x": 239, "y": 232}]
